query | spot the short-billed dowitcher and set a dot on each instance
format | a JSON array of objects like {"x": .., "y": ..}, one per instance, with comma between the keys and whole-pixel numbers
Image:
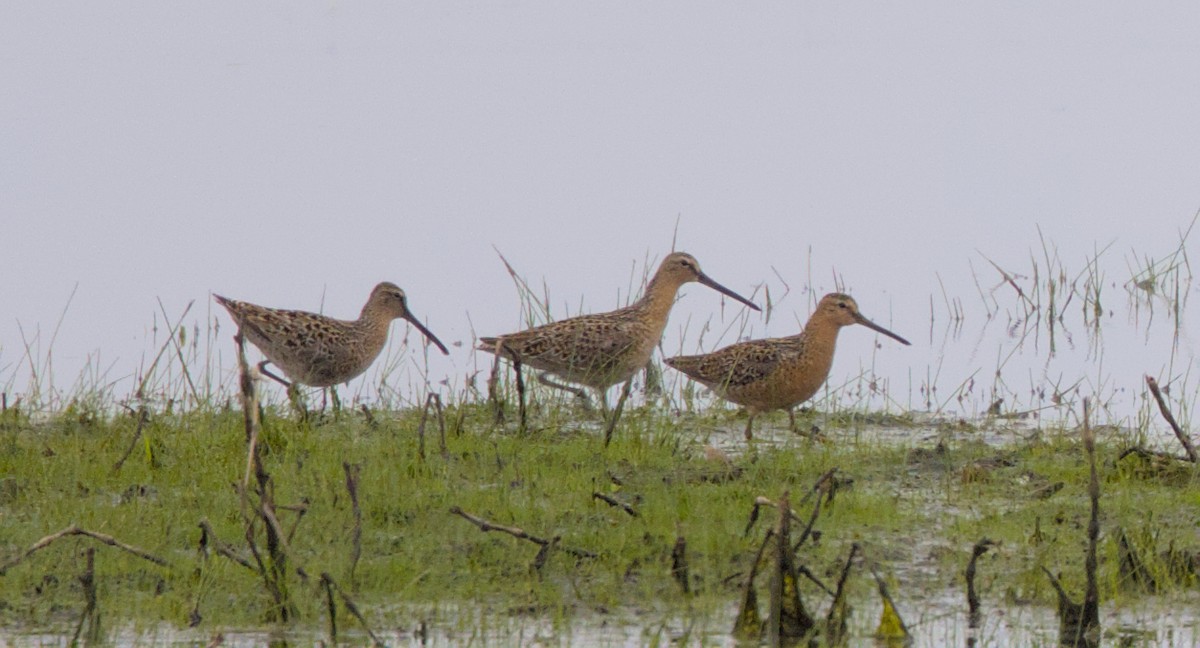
[
  {"x": 318, "y": 350},
  {"x": 604, "y": 349},
  {"x": 778, "y": 373}
]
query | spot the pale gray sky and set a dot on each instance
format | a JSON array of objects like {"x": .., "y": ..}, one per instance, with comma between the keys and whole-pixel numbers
[{"x": 280, "y": 152}]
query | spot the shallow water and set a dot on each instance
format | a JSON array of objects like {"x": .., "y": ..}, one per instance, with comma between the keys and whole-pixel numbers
[{"x": 1166, "y": 622}]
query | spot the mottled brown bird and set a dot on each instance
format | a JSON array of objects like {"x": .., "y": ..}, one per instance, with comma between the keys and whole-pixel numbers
[
  {"x": 778, "y": 373},
  {"x": 605, "y": 349},
  {"x": 318, "y": 350}
]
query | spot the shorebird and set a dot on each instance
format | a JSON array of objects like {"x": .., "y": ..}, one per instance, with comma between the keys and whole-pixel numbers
[
  {"x": 778, "y": 373},
  {"x": 603, "y": 349},
  {"x": 318, "y": 350}
]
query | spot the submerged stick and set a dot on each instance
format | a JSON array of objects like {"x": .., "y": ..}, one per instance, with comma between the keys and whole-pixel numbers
[
  {"x": 980, "y": 548},
  {"x": 1079, "y": 623},
  {"x": 74, "y": 530},
  {"x": 749, "y": 624},
  {"x": 1131, "y": 567},
  {"x": 1166, "y": 414},
  {"x": 839, "y": 609},
  {"x": 485, "y": 526},
  {"x": 787, "y": 618},
  {"x": 348, "y": 603},
  {"x": 331, "y": 607},
  {"x": 91, "y": 614}
]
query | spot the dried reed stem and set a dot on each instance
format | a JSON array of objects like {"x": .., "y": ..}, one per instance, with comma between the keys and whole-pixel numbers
[{"x": 1166, "y": 413}]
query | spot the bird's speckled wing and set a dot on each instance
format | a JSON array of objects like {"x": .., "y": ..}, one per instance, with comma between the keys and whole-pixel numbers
[
  {"x": 738, "y": 364},
  {"x": 588, "y": 345},
  {"x": 296, "y": 341}
]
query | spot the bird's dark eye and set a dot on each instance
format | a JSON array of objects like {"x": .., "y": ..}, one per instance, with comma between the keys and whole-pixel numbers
[{"x": 841, "y": 304}]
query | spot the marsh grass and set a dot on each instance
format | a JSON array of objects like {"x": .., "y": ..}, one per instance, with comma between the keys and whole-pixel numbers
[
  {"x": 917, "y": 511},
  {"x": 926, "y": 484}
]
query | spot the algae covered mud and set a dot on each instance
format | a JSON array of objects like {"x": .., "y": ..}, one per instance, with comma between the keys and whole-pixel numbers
[{"x": 967, "y": 509}]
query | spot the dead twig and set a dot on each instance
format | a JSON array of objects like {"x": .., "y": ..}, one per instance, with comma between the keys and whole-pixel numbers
[
  {"x": 208, "y": 538},
  {"x": 143, "y": 417},
  {"x": 436, "y": 400},
  {"x": 352, "y": 472},
  {"x": 761, "y": 501},
  {"x": 485, "y": 526},
  {"x": 1166, "y": 413},
  {"x": 300, "y": 510},
  {"x": 614, "y": 502},
  {"x": 75, "y": 530}
]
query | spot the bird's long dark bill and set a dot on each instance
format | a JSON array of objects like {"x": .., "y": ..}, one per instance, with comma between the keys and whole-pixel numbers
[
  {"x": 707, "y": 281},
  {"x": 426, "y": 332},
  {"x": 875, "y": 327}
]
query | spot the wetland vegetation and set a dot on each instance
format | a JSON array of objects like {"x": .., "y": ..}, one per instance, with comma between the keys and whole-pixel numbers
[{"x": 418, "y": 526}]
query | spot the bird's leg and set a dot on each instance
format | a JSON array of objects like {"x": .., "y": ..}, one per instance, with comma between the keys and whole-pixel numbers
[
  {"x": 616, "y": 413},
  {"x": 654, "y": 380},
  {"x": 297, "y": 400},
  {"x": 602, "y": 396},
  {"x": 580, "y": 394},
  {"x": 520, "y": 395},
  {"x": 493, "y": 384},
  {"x": 335, "y": 401},
  {"x": 749, "y": 424},
  {"x": 812, "y": 435},
  {"x": 262, "y": 369}
]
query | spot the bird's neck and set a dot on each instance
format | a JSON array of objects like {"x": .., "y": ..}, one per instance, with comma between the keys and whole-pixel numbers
[
  {"x": 655, "y": 305},
  {"x": 373, "y": 320},
  {"x": 821, "y": 334}
]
